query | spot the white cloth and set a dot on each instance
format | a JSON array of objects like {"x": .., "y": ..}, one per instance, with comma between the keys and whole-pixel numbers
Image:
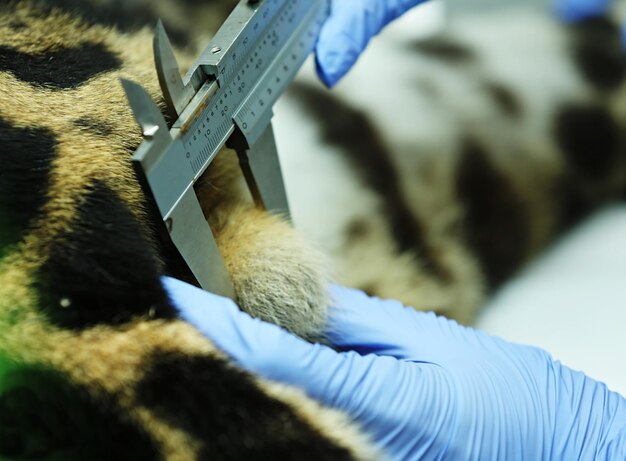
[{"x": 572, "y": 300}]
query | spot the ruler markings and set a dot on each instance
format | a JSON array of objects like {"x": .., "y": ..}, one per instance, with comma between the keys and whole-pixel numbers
[{"x": 256, "y": 77}]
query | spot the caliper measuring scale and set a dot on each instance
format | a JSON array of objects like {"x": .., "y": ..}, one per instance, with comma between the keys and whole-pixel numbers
[{"x": 226, "y": 98}]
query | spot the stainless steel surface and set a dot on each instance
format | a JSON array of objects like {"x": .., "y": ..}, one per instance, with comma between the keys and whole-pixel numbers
[
  {"x": 256, "y": 74},
  {"x": 234, "y": 40},
  {"x": 177, "y": 95},
  {"x": 261, "y": 168},
  {"x": 148, "y": 116},
  {"x": 193, "y": 238},
  {"x": 281, "y": 66},
  {"x": 168, "y": 178},
  {"x": 230, "y": 89},
  {"x": 170, "y": 185}
]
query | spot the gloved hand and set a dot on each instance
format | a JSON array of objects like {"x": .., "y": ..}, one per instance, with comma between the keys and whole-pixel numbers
[
  {"x": 422, "y": 386},
  {"x": 346, "y": 33}
]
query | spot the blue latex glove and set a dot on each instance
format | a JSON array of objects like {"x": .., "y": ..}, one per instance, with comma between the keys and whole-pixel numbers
[
  {"x": 577, "y": 10},
  {"x": 573, "y": 11},
  {"x": 346, "y": 33},
  {"x": 424, "y": 387}
]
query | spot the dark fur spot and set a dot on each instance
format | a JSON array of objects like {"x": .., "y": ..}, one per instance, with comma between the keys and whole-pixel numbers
[
  {"x": 194, "y": 2},
  {"x": 357, "y": 229},
  {"x": 590, "y": 139},
  {"x": 26, "y": 156},
  {"x": 17, "y": 25},
  {"x": 228, "y": 413},
  {"x": 95, "y": 126},
  {"x": 369, "y": 289},
  {"x": 42, "y": 416},
  {"x": 353, "y": 132},
  {"x": 224, "y": 5},
  {"x": 126, "y": 16},
  {"x": 61, "y": 68},
  {"x": 574, "y": 202},
  {"x": 102, "y": 270},
  {"x": 495, "y": 223},
  {"x": 445, "y": 49},
  {"x": 599, "y": 53},
  {"x": 505, "y": 99}
]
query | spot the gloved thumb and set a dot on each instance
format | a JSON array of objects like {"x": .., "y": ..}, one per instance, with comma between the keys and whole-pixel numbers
[
  {"x": 348, "y": 30},
  {"x": 341, "y": 380}
]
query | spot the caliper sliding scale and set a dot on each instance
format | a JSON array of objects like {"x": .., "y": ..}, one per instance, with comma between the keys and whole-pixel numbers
[{"x": 227, "y": 95}]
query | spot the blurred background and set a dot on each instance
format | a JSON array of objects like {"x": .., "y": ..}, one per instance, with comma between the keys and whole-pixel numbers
[
  {"x": 571, "y": 301},
  {"x": 477, "y": 5}
]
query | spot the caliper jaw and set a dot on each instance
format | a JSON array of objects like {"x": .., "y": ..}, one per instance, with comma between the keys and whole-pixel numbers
[
  {"x": 176, "y": 92},
  {"x": 226, "y": 98},
  {"x": 179, "y": 208},
  {"x": 258, "y": 158}
]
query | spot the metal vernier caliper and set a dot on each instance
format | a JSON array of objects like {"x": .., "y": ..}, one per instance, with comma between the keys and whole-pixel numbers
[{"x": 227, "y": 95}]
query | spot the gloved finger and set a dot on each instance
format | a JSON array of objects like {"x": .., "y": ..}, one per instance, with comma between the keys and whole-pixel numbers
[
  {"x": 577, "y": 10},
  {"x": 348, "y": 30},
  {"x": 260, "y": 347},
  {"x": 386, "y": 327},
  {"x": 365, "y": 387}
]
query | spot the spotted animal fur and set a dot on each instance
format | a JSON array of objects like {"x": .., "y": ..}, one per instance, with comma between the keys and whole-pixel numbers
[
  {"x": 94, "y": 362},
  {"x": 443, "y": 165}
]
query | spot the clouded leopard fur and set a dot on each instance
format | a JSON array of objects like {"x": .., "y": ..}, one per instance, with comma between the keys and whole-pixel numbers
[{"x": 512, "y": 128}]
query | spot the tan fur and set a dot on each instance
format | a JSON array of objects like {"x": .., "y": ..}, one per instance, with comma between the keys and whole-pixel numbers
[
  {"x": 270, "y": 263},
  {"x": 331, "y": 423},
  {"x": 113, "y": 360},
  {"x": 263, "y": 253},
  {"x": 73, "y": 171}
]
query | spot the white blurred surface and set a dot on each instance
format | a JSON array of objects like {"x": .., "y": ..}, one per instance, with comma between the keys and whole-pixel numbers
[
  {"x": 425, "y": 20},
  {"x": 572, "y": 300}
]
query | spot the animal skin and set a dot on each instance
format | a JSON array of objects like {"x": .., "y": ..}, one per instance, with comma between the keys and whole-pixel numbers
[
  {"x": 436, "y": 210},
  {"x": 443, "y": 165}
]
